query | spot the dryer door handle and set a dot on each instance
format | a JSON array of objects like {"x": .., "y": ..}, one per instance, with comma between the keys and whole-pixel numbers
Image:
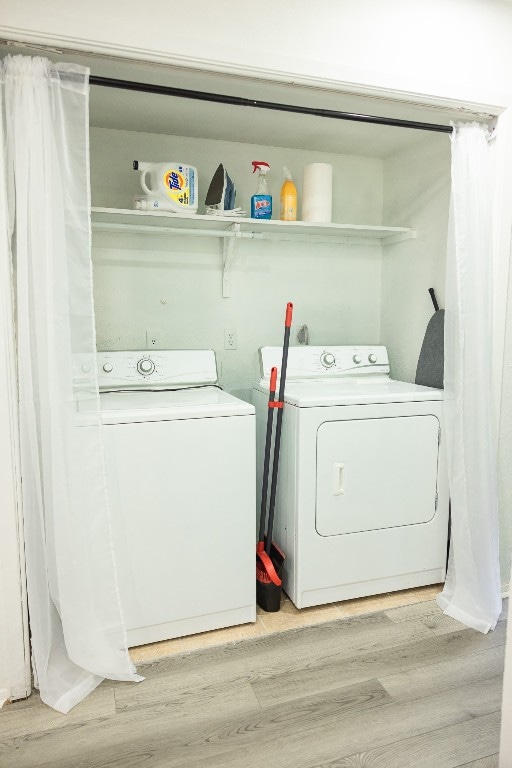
[{"x": 338, "y": 479}]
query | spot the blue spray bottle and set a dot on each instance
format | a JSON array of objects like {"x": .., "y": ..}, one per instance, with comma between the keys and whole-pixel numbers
[{"x": 261, "y": 202}]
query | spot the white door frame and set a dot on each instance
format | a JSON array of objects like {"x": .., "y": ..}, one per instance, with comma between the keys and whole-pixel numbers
[{"x": 15, "y": 676}]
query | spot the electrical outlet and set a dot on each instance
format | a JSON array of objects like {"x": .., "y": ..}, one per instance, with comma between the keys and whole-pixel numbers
[
  {"x": 152, "y": 339},
  {"x": 229, "y": 338}
]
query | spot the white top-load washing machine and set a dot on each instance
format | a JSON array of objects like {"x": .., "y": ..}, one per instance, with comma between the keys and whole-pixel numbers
[
  {"x": 180, "y": 462},
  {"x": 362, "y": 498}
]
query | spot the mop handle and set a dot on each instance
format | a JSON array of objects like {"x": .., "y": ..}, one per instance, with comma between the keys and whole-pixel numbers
[
  {"x": 277, "y": 439},
  {"x": 266, "y": 462}
]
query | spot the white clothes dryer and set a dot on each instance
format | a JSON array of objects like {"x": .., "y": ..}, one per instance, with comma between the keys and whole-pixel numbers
[
  {"x": 362, "y": 498},
  {"x": 180, "y": 462}
]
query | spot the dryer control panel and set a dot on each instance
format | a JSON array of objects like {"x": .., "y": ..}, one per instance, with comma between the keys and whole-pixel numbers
[{"x": 326, "y": 362}]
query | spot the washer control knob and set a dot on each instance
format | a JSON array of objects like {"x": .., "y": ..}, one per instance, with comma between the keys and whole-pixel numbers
[
  {"x": 372, "y": 358},
  {"x": 86, "y": 368},
  {"x": 357, "y": 359},
  {"x": 327, "y": 359},
  {"x": 145, "y": 366},
  {"x": 108, "y": 367}
]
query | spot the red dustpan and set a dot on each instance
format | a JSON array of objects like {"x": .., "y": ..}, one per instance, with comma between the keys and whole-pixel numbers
[{"x": 269, "y": 558}]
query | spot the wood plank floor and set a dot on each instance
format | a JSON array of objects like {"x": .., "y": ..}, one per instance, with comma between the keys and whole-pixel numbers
[{"x": 400, "y": 688}]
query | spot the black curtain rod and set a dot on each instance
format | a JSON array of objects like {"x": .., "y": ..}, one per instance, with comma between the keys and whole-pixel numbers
[{"x": 218, "y": 98}]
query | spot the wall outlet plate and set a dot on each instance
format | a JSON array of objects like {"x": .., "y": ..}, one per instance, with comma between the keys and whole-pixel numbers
[
  {"x": 230, "y": 338},
  {"x": 152, "y": 339}
]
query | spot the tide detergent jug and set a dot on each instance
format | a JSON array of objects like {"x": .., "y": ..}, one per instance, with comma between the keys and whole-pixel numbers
[{"x": 168, "y": 186}]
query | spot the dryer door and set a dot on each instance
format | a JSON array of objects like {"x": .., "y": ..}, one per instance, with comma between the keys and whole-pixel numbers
[{"x": 376, "y": 473}]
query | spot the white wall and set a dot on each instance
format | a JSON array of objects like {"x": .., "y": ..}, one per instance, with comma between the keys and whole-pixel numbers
[
  {"x": 505, "y": 455},
  {"x": 448, "y": 48},
  {"x": 505, "y": 505},
  {"x": 335, "y": 288},
  {"x": 505, "y": 756}
]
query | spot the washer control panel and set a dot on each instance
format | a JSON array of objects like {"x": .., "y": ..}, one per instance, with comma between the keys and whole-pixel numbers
[
  {"x": 160, "y": 369},
  {"x": 326, "y": 362}
]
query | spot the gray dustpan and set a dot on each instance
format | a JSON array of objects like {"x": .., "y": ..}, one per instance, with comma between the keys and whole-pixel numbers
[{"x": 430, "y": 369}]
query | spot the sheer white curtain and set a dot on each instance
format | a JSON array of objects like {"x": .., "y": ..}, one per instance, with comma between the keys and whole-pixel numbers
[
  {"x": 472, "y": 591},
  {"x": 77, "y": 631}
]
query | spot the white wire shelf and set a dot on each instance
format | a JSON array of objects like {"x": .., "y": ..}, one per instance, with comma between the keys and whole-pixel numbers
[{"x": 232, "y": 229}]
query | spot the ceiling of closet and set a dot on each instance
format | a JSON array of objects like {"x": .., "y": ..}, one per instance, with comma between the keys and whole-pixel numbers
[{"x": 134, "y": 111}]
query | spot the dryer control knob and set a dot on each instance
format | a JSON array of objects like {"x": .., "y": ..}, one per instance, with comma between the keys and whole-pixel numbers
[
  {"x": 372, "y": 358},
  {"x": 145, "y": 366},
  {"x": 357, "y": 359},
  {"x": 108, "y": 368},
  {"x": 327, "y": 359}
]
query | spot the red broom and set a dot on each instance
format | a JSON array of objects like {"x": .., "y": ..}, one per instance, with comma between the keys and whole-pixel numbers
[{"x": 269, "y": 558}]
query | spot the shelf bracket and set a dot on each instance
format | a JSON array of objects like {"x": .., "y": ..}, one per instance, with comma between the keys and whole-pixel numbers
[
  {"x": 399, "y": 238},
  {"x": 228, "y": 249}
]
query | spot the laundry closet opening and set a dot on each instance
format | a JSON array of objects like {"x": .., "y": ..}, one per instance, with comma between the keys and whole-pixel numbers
[{"x": 162, "y": 289}]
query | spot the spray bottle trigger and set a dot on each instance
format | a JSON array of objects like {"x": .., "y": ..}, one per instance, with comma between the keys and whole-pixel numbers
[{"x": 260, "y": 165}]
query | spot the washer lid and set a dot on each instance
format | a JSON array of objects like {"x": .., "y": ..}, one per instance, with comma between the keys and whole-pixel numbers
[
  {"x": 164, "y": 405},
  {"x": 357, "y": 391}
]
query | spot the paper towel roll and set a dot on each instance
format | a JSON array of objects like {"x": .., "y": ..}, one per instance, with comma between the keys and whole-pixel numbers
[{"x": 317, "y": 192}]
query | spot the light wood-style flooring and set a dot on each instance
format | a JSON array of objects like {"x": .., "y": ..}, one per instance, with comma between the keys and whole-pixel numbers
[
  {"x": 402, "y": 687},
  {"x": 289, "y": 617}
]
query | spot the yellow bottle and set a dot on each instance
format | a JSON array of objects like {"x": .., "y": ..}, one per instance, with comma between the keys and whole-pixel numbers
[{"x": 288, "y": 198}]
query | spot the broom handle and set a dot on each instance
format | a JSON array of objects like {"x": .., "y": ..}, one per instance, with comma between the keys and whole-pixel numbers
[
  {"x": 266, "y": 462},
  {"x": 277, "y": 439}
]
